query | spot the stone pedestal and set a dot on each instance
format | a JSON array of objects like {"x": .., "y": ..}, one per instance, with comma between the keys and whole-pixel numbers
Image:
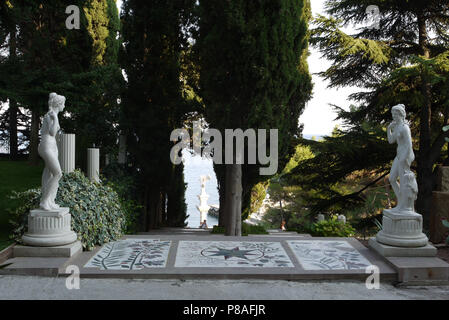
[
  {"x": 392, "y": 251},
  {"x": 402, "y": 229},
  {"x": 66, "y": 251},
  {"x": 66, "y": 152},
  {"x": 49, "y": 228},
  {"x": 93, "y": 164}
]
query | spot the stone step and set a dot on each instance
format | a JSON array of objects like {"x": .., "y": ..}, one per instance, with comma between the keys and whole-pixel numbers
[{"x": 420, "y": 270}]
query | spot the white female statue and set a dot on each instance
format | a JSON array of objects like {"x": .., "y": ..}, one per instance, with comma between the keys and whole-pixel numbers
[
  {"x": 48, "y": 150},
  {"x": 399, "y": 132},
  {"x": 401, "y": 225}
]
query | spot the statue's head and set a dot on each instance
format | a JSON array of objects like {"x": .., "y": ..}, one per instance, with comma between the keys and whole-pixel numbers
[
  {"x": 56, "y": 102},
  {"x": 398, "y": 112}
]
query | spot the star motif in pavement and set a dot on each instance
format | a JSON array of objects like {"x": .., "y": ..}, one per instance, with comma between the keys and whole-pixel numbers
[{"x": 236, "y": 252}]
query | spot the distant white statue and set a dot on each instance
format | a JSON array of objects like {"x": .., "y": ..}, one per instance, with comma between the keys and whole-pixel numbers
[
  {"x": 203, "y": 180},
  {"x": 203, "y": 208},
  {"x": 399, "y": 132},
  {"x": 48, "y": 150}
]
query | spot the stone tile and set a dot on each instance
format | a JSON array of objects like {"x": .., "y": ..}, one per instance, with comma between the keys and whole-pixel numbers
[
  {"x": 131, "y": 254},
  {"x": 232, "y": 254},
  {"x": 327, "y": 255}
]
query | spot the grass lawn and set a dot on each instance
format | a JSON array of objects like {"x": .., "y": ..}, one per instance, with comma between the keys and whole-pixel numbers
[{"x": 17, "y": 176}]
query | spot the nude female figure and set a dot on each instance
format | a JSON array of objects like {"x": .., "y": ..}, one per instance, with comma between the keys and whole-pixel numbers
[
  {"x": 399, "y": 132},
  {"x": 48, "y": 150}
]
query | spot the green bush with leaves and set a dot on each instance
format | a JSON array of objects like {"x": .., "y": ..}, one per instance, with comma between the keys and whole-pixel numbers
[
  {"x": 331, "y": 228},
  {"x": 97, "y": 213}
]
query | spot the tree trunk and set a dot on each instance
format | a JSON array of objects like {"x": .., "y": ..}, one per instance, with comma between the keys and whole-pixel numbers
[
  {"x": 153, "y": 199},
  {"x": 220, "y": 172},
  {"x": 34, "y": 139},
  {"x": 13, "y": 147},
  {"x": 424, "y": 201},
  {"x": 145, "y": 222},
  {"x": 233, "y": 205}
]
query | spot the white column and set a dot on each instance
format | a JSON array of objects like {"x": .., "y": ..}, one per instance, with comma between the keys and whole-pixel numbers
[
  {"x": 93, "y": 164},
  {"x": 66, "y": 151}
]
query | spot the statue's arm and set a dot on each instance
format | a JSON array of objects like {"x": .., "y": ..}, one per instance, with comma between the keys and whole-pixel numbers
[
  {"x": 54, "y": 125},
  {"x": 390, "y": 135}
]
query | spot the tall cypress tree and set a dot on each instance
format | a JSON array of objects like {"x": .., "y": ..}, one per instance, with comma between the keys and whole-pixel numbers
[
  {"x": 253, "y": 74},
  {"x": 153, "y": 103}
]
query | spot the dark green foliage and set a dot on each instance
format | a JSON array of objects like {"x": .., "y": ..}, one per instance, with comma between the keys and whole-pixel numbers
[
  {"x": 154, "y": 103},
  {"x": 79, "y": 64},
  {"x": 97, "y": 213},
  {"x": 123, "y": 181},
  {"x": 336, "y": 157},
  {"x": 218, "y": 230},
  {"x": 331, "y": 228},
  {"x": 176, "y": 201},
  {"x": 252, "y": 229}
]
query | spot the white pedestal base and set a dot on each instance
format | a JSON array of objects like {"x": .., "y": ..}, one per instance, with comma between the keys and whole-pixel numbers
[
  {"x": 66, "y": 251},
  {"x": 49, "y": 228},
  {"x": 390, "y": 251},
  {"x": 402, "y": 229}
]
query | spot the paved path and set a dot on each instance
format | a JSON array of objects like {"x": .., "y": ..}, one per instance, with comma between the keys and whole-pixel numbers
[
  {"x": 195, "y": 256},
  {"x": 27, "y": 287}
]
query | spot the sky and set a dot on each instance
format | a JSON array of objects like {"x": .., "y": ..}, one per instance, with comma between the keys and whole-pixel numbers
[{"x": 318, "y": 117}]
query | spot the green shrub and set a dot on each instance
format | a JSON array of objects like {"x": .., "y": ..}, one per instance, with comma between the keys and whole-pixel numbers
[
  {"x": 218, "y": 230},
  {"x": 122, "y": 180},
  {"x": 331, "y": 228},
  {"x": 252, "y": 229},
  {"x": 96, "y": 209}
]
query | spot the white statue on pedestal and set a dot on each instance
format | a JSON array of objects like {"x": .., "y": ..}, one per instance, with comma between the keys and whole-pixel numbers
[
  {"x": 48, "y": 150},
  {"x": 203, "y": 208},
  {"x": 399, "y": 132},
  {"x": 50, "y": 225},
  {"x": 401, "y": 225}
]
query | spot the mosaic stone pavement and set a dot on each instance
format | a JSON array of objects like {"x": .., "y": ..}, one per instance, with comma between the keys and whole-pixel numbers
[
  {"x": 231, "y": 254},
  {"x": 327, "y": 255},
  {"x": 131, "y": 254}
]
